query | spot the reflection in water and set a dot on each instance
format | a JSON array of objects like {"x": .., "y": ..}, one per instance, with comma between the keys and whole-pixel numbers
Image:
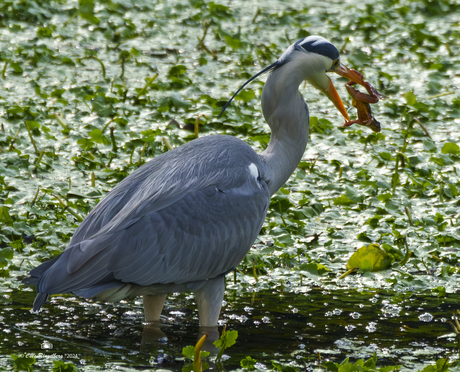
[
  {"x": 292, "y": 327},
  {"x": 152, "y": 335}
]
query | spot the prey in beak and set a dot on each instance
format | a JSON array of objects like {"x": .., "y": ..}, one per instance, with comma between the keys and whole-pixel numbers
[
  {"x": 356, "y": 77},
  {"x": 360, "y": 101},
  {"x": 331, "y": 92}
]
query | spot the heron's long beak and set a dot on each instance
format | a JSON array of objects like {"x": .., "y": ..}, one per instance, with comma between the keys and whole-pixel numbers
[{"x": 334, "y": 97}]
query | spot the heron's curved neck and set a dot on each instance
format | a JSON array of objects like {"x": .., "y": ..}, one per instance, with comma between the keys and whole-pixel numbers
[{"x": 286, "y": 113}]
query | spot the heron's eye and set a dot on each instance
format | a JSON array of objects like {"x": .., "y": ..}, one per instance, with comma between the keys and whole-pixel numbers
[{"x": 335, "y": 64}]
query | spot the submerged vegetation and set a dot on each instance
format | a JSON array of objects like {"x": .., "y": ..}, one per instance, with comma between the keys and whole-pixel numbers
[{"x": 92, "y": 89}]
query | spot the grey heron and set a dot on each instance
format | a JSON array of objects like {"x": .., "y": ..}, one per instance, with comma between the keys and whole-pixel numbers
[{"x": 186, "y": 218}]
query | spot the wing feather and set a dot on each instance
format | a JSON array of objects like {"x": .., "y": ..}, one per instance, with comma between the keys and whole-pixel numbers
[
  {"x": 170, "y": 222},
  {"x": 210, "y": 240}
]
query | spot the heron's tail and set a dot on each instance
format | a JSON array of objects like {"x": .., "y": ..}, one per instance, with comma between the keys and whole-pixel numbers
[
  {"x": 34, "y": 278},
  {"x": 40, "y": 300}
]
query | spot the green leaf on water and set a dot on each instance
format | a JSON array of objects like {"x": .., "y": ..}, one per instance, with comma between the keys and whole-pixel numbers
[
  {"x": 369, "y": 365},
  {"x": 5, "y": 216},
  {"x": 233, "y": 43},
  {"x": 16, "y": 67},
  {"x": 85, "y": 143},
  {"x": 22, "y": 363},
  {"x": 175, "y": 100},
  {"x": 415, "y": 160},
  {"x": 343, "y": 200},
  {"x": 248, "y": 363},
  {"x": 320, "y": 125},
  {"x": 352, "y": 194},
  {"x": 188, "y": 352},
  {"x": 86, "y": 11},
  {"x": 314, "y": 268},
  {"x": 383, "y": 184},
  {"x": 219, "y": 10},
  {"x": 370, "y": 258},
  {"x": 45, "y": 31},
  {"x": 390, "y": 205},
  {"x": 411, "y": 99},
  {"x": 97, "y": 136},
  {"x": 245, "y": 95},
  {"x": 442, "y": 365},
  {"x": 277, "y": 366},
  {"x": 358, "y": 58},
  {"x": 226, "y": 340},
  {"x": 349, "y": 197},
  {"x": 177, "y": 70},
  {"x": 429, "y": 145},
  {"x": 102, "y": 108},
  {"x": 60, "y": 366},
  {"x": 450, "y": 148},
  {"x": 439, "y": 291},
  {"x": 309, "y": 212},
  {"x": 280, "y": 203},
  {"x": 7, "y": 253},
  {"x": 57, "y": 93},
  {"x": 284, "y": 240}
]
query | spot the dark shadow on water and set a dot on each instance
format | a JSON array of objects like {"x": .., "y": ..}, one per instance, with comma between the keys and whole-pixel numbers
[{"x": 401, "y": 329}]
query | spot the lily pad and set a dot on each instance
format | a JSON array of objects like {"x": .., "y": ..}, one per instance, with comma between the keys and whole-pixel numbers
[
  {"x": 450, "y": 148},
  {"x": 370, "y": 258},
  {"x": 314, "y": 268}
]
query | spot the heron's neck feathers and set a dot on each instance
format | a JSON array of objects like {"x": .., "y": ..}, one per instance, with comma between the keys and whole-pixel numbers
[{"x": 286, "y": 113}]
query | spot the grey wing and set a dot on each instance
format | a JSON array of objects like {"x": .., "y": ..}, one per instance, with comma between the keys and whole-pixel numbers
[
  {"x": 108, "y": 207},
  {"x": 167, "y": 178},
  {"x": 204, "y": 234}
]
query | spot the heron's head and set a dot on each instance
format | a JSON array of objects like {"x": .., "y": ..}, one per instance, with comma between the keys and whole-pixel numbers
[
  {"x": 317, "y": 56},
  {"x": 312, "y": 58}
]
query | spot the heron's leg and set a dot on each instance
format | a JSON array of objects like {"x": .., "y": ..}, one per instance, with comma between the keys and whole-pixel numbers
[
  {"x": 209, "y": 300},
  {"x": 153, "y": 305}
]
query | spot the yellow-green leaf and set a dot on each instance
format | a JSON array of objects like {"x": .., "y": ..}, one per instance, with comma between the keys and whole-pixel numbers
[{"x": 370, "y": 258}]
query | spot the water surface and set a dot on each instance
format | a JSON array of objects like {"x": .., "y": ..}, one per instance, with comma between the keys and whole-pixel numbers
[{"x": 300, "y": 329}]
